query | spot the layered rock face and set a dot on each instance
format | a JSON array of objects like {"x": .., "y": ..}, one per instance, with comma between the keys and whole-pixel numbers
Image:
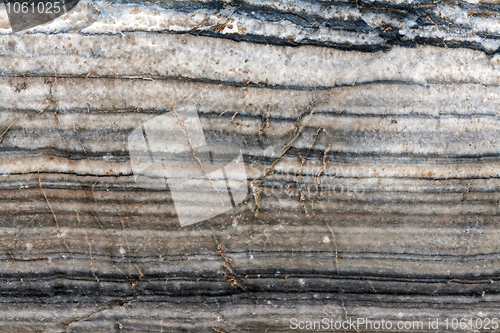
[{"x": 369, "y": 136}]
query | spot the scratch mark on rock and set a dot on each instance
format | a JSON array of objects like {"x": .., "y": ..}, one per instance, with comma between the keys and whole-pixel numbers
[
  {"x": 92, "y": 260},
  {"x": 54, "y": 215},
  {"x": 325, "y": 156},
  {"x": 256, "y": 195},
  {"x": 8, "y": 128},
  {"x": 181, "y": 121}
]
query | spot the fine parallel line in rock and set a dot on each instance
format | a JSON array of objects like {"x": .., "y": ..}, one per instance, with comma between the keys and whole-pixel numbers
[
  {"x": 366, "y": 26},
  {"x": 214, "y": 59}
]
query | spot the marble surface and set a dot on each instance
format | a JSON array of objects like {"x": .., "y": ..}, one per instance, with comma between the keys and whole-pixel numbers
[{"x": 369, "y": 132}]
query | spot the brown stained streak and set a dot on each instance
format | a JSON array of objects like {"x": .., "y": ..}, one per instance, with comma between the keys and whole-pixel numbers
[
  {"x": 219, "y": 318},
  {"x": 92, "y": 259},
  {"x": 303, "y": 160},
  {"x": 221, "y": 250},
  {"x": 8, "y": 128},
  {"x": 181, "y": 122},
  {"x": 46, "y": 108},
  {"x": 256, "y": 184},
  {"x": 51, "y": 93},
  {"x": 334, "y": 239},
  {"x": 336, "y": 249},
  {"x": 95, "y": 216},
  {"x": 111, "y": 306},
  {"x": 54, "y": 215},
  {"x": 265, "y": 123},
  {"x": 218, "y": 330},
  {"x": 256, "y": 195},
  {"x": 302, "y": 198},
  {"x": 287, "y": 148},
  {"x": 229, "y": 273},
  {"x": 201, "y": 24},
  {"x": 234, "y": 116},
  {"x": 90, "y": 250},
  {"x": 325, "y": 156},
  {"x": 107, "y": 235},
  {"x": 141, "y": 274},
  {"x": 298, "y": 130}
]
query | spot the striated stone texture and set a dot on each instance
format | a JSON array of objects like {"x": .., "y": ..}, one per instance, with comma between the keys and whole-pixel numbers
[{"x": 370, "y": 138}]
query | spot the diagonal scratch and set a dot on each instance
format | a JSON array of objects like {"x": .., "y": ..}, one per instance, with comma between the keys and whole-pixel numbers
[
  {"x": 181, "y": 121},
  {"x": 307, "y": 112},
  {"x": 106, "y": 233},
  {"x": 54, "y": 215},
  {"x": 91, "y": 259},
  {"x": 325, "y": 156},
  {"x": 287, "y": 148},
  {"x": 256, "y": 195},
  {"x": 337, "y": 267},
  {"x": 8, "y": 128},
  {"x": 302, "y": 198},
  {"x": 109, "y": 307},
  {"x": 336, "y": 250},
  {"x": 265, "y": 123},
  {"x": 231, "y": 276}
]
